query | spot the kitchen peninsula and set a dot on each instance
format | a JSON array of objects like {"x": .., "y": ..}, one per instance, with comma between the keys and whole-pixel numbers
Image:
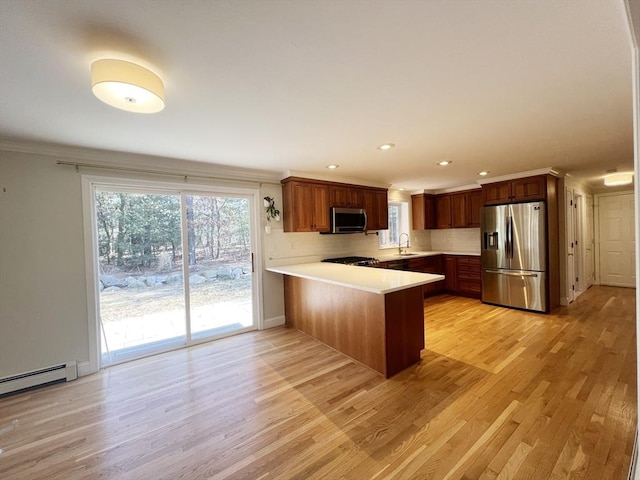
[{"x": 374, "y": 315}]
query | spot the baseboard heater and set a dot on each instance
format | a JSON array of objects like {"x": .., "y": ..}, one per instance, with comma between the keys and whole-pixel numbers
[{"x": 38, "y": 378}]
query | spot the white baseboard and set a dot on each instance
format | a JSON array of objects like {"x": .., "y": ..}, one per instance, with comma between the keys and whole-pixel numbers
[
  {"x": 273, "y": 322},
  {"x": 564, "y": 301},
  {"x": 84, "y": 369}
]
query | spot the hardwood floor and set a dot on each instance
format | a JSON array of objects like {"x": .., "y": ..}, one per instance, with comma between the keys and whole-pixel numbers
[{"x": 498, "y": 394}]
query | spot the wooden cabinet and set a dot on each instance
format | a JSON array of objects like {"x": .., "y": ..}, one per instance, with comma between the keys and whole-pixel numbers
[
  {"x": 458, "y": 210},
  {"x": 462, "y": 275},
  {"x": 529, "y": 189},
  {"x": 468, "y": 278},
  {"x": 443, "y": 211},
  {"x": 344, "y": 196},
  {"x": 518, "y": 190},
  {"x": 474, "y": 207},
  {"x": 433, "y": 264},
  {"x": 306, "y": 204},
  {"x": 423, "y": 215},
  {"x": 450, "y": 273},
  {"x": 375, "y": 202},
  {"x": 465, "y": 208}
]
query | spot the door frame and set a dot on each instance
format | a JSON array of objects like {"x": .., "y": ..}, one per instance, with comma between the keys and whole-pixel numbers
[
  {"x": 596, "y": 229},
  {"x": 89, "y": 185},
  {"x": 569, "y": 243}
]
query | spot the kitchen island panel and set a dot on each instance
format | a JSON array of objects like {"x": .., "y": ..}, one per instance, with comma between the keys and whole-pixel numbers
[
  {"x": 404, "y": 314},
  {"x": 351, "y": 321}
]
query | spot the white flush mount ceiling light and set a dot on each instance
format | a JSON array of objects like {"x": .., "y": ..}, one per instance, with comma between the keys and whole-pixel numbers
[
  {"x": 615, "y": 179},
  {"x": 332, "y": 166},
  {"x": 483, "y": 173},
  {"x": 444, "y": 163},
  {"x": 127, "y": 86},
  {"x": 386, "y": 146}
]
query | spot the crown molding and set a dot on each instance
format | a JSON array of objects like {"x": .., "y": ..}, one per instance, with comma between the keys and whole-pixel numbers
[
  {"x": 529, "y": 173},
  {"x": 163, "y": 165},
  {"x": 334, "y": 178}
]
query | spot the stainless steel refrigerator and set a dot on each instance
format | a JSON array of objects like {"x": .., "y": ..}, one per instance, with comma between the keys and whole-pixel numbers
[{"x": 514, "y": 255}]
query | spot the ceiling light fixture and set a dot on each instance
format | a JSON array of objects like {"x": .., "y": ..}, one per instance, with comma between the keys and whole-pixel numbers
[
  {"x": 444, "y": 163},
  {"x": 616, "y": 179},
  {"x": 127, "y": 86},
  {"x": 386, "y": 146},
  {"x": 332, "y": 167},
  {"x": 483, "y": 173}
]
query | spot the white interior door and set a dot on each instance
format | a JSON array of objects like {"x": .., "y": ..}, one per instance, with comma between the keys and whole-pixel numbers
[{"x": 617, "y": 240}]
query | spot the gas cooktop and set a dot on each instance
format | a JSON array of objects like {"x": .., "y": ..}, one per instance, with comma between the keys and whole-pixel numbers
[{"x": 354, "y": 260}]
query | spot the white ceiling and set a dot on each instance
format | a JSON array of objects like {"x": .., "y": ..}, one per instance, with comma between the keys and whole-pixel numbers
[{"x": 297, "y": 85}]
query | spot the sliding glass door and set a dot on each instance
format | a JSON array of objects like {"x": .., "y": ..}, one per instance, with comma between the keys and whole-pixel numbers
[
  {"x": 220, "y": 264},
  {"x": 155, "y": 295}
]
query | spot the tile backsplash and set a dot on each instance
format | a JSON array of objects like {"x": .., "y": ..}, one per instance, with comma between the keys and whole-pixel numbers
[
  {"x": 289, "y": 248},
  {"x": 282, "y": 248},
  {"x": 456, "y": 240}
]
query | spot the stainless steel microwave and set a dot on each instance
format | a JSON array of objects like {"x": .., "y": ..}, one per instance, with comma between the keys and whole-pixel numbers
[{"x": 348, "y": 220}]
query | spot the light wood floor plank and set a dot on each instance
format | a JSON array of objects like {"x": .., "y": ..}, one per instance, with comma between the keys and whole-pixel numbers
[{"x": 498, "y": 394}]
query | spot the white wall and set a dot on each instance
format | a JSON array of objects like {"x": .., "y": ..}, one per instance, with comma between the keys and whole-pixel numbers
[{"x": 43, "y": 301}]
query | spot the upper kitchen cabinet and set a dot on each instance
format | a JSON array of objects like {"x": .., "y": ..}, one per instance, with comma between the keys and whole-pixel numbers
[
  {"x": 306, "y": 205},
  {"x": 525, "y": 189},
  {"x": 465, "y": 208},
  {"x": 447, "y": 210},
  {"x": 344, "y": 196},
  {"x": 443, "y": 211},
  {"x": 459, "y": 209},
  {"x": 423, "y": 214},
  {"x": 375, "y": 202}
]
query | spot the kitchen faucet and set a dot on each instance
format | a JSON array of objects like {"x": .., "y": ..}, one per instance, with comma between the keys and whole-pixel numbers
[{"x": 400, "y": 242}]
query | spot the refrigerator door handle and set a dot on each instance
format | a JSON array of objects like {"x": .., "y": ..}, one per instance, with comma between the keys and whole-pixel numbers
[
  {"x": 507, "y": 239},
  {"x": 511, "y": 237},
  {"x": 512, "y": 274}
]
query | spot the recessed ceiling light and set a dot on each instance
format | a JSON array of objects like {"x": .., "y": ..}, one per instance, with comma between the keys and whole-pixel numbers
[
  {"x": 483, "y": 173},
  {"x": 332, "y": 167},
  {"x": 386, "y": 146},
  {"x": 444, "y": 163},
  {"x": 402, "y": 189}
]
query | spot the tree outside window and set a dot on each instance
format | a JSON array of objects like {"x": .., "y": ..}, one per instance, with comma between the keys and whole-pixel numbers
[{"x": 398, "y": 223}]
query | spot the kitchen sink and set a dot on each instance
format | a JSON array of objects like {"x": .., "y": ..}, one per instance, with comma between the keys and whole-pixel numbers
[{"x": 407, "y": 254}]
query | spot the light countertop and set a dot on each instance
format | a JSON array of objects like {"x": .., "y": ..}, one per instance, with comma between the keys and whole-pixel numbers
[
  {"x": 374, "y": 280},
  {"x": 394, "y": 255}
]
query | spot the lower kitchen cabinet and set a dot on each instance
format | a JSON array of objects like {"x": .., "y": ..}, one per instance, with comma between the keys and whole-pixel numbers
[
  {"x": 450, "y": 273},
  {"x": 461, "y": 272},
  {"x": 431, "y": 264},
  {"x": 468, "y": 278},
  {"x": 462, "y": 275}
]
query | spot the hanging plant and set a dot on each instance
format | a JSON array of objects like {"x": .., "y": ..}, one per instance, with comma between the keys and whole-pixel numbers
[{"x": 270, "y": 208}]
